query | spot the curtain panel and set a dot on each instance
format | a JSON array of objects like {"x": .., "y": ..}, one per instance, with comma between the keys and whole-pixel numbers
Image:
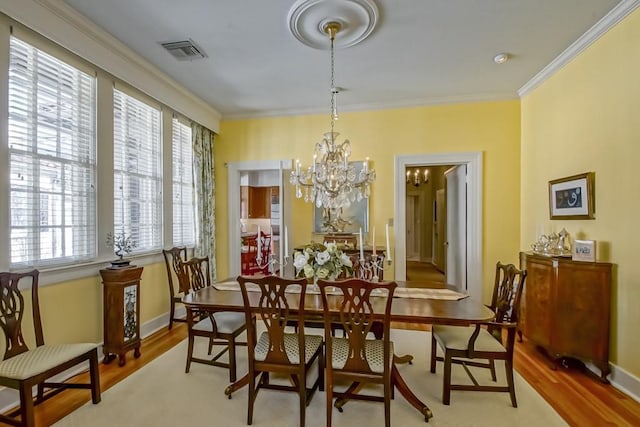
[{"x": 204, "y": 188}]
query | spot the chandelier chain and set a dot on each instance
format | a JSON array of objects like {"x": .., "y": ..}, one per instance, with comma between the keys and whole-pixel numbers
[{"x": 332, "y": 89}]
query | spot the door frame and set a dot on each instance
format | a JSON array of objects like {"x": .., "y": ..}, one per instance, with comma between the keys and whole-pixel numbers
[
  {"x": 233, "y": 208},
  {"x": 473, "y": 160}
]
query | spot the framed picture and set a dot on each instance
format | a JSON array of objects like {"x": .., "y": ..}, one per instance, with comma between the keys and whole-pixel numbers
[
  {"x": 584, "y": 250},
  {"x": 572, "y": 197},
  {"x": 343, "y": 220}
]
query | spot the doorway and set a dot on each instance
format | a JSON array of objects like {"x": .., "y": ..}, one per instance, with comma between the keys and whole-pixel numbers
[
  {"x": 235, "y": 173},
  {"x": 473, "y": 245}
]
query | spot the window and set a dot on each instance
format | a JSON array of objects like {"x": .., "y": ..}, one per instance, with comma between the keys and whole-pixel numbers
[
  {"x": 137, "y": 171},
  {"x": 52, "y": 150},
  {"x": 182, "y": 182}
]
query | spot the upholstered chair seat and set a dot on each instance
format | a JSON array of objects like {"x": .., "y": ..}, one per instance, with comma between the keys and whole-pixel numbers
[
  {"x": 41, "y": 359},
  {"x": 457, "y": 338},
  {"x": 312, "y": 344},
  {"x": 226, "y": 322},
  {"x": 373, "y": 353}
]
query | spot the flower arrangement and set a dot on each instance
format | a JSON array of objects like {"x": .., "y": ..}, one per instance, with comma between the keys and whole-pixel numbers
[
  {"x": 121, "y": 243},
  {"x": 319, "y": 261}
]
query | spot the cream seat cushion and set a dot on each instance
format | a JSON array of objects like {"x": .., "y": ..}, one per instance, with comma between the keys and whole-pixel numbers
[
  {"x": 41, "y": 359},
  {"x": 227, "y": 322},
  {"x": 373, "y": 353},
  {"x": 457, "y": 338},
  {"x": 311, "y": 343}
]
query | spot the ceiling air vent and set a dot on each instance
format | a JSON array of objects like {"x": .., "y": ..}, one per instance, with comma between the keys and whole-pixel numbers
[{"x": 185, "y": 50}]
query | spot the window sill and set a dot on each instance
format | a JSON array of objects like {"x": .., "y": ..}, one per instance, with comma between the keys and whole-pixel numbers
[{"x": 53, "y": 275}]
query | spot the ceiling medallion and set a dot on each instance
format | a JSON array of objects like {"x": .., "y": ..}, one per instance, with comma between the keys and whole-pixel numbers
[{"x": 308, "y": 18}]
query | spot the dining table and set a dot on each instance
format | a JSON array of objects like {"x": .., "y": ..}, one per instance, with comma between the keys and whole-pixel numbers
[{"x": 412, "y": 304}]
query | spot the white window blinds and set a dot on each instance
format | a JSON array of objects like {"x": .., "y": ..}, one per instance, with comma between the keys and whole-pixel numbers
[
  {"x": 137, "y": 170},
  {"x": 182, "y": 183},
  {"x": 52, "y": 149}
]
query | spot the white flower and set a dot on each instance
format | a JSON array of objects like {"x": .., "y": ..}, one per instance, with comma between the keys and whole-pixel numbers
[
  {"x": 331, "y": 247},
  {"x": 345, "y": 260},
  {"x": 308, "y": 271},
  {"x": 300, "y": 260},
  {"x": 323, "y": 272},
  {"x": 323, "y": 257}
]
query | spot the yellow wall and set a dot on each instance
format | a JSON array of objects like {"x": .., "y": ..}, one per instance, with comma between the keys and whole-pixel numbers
[
  {"x": 587, "y": 118},
  {"x": 492, "y": 127}
]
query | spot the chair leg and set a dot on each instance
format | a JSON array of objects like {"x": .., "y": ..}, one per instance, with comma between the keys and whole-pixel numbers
[
  {"x": 172, "y": 312},
  {"x": 302, "y": 391},
  {"x": 329, "y": 392},
  {"x": 252, "y": 396},
  {"x": 446, "y": 383},
  {"x": 387, "y": 401},
  {"x": 512, "y": 389},
  {"x": 189, "y": 354},
  {"x": 26, "y": 405},
  {"x": 232, "y": 360},
  {"x": 492, "y": 368},
  {"x": 321, "y": 369},
  {"x": 94, "y": 373},
  {"x": 434, "y": 345}
]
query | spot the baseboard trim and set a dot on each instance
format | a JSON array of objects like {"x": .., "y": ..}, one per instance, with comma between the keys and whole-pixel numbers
[
  {"x": 9, "y": 398},
  {"x": 626, "y": 382}
]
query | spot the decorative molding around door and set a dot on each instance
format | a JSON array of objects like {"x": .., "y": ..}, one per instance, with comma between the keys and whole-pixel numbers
[{"x": 473, "y": 160}]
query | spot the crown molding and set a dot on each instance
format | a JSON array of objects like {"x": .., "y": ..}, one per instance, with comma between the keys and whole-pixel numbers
[
  {"x": 62, "y": 24},
  {"x": 409, "y": 103},
  {"x": 615, "y": 15}
]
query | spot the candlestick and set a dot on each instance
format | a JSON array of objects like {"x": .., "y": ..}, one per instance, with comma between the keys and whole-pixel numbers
[
  {"x": 360, "y": 243},
  {"x": 388, "y": 249},
  {"x": 273, "y": 243},
  {"x": 259, "y": 254},
  {"x": 373, "y": 240},
  {"x": 286, "y": 241}
]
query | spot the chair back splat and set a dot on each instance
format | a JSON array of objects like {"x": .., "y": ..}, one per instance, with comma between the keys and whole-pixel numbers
[
  {"x": 357, "y": 357},
  {"x": 23, "y": 368},
  {"x": 276, "y": 349},
  {"x": 172, "y": 259}
]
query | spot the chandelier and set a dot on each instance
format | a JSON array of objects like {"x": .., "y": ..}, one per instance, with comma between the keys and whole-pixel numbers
[
  {"x": 332, "y": 181},
  {"x": 417, "y": 177}
]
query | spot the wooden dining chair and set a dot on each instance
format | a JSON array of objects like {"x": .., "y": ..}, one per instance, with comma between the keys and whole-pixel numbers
[
  {"x": 276, "y": 350},
  {"x": 481, "y": 345},
  {"x": 22, "y": 368},
  {"x": 356, "y": 357},
  {"x": 172, "y": 258},
  {"x": 220, "y": 328}
]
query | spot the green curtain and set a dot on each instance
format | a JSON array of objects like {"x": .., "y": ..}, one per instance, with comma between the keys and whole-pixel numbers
[{"x": 204, "y": 183}]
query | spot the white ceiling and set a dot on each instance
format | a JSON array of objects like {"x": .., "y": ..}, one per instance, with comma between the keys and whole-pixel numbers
[{"x": 421, "y": 51}]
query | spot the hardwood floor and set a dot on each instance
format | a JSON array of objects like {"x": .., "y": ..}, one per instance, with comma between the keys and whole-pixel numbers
[
  {"x": 423, "y": 271},
  {"x": 578, "y": 398}
]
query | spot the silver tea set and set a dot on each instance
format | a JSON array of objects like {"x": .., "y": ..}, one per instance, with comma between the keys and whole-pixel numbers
[{"x": 553, "y": 244}]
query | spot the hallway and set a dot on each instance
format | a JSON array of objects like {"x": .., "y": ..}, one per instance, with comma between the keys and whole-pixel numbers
[{"x": 424, "y": 272}]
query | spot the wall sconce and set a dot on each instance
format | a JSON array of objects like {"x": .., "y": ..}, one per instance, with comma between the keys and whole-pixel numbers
[{"x": 417, "y": 177}]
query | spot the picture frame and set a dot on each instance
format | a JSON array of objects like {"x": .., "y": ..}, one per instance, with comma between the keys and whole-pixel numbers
[
  {"x": 572, "y": 197},
  {"x": 584, "y": 250},
  {"x": 343, "y": 220}
]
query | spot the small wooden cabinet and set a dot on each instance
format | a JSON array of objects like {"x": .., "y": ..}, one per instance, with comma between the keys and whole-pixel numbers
[
  {"x": 566, "y": 308},
  {"x": 121, "y": 312}
]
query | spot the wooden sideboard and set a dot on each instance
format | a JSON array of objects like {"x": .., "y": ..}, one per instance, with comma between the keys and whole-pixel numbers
[
  {"x": 566, "y": 308},
  {"x": 121, "y": 312}
]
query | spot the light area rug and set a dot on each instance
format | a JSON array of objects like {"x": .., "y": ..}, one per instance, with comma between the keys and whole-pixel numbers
[{"x": 161, "y": 394}]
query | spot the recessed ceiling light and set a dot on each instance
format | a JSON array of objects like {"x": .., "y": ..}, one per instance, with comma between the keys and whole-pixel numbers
[{"x": 501, "y": 58}]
